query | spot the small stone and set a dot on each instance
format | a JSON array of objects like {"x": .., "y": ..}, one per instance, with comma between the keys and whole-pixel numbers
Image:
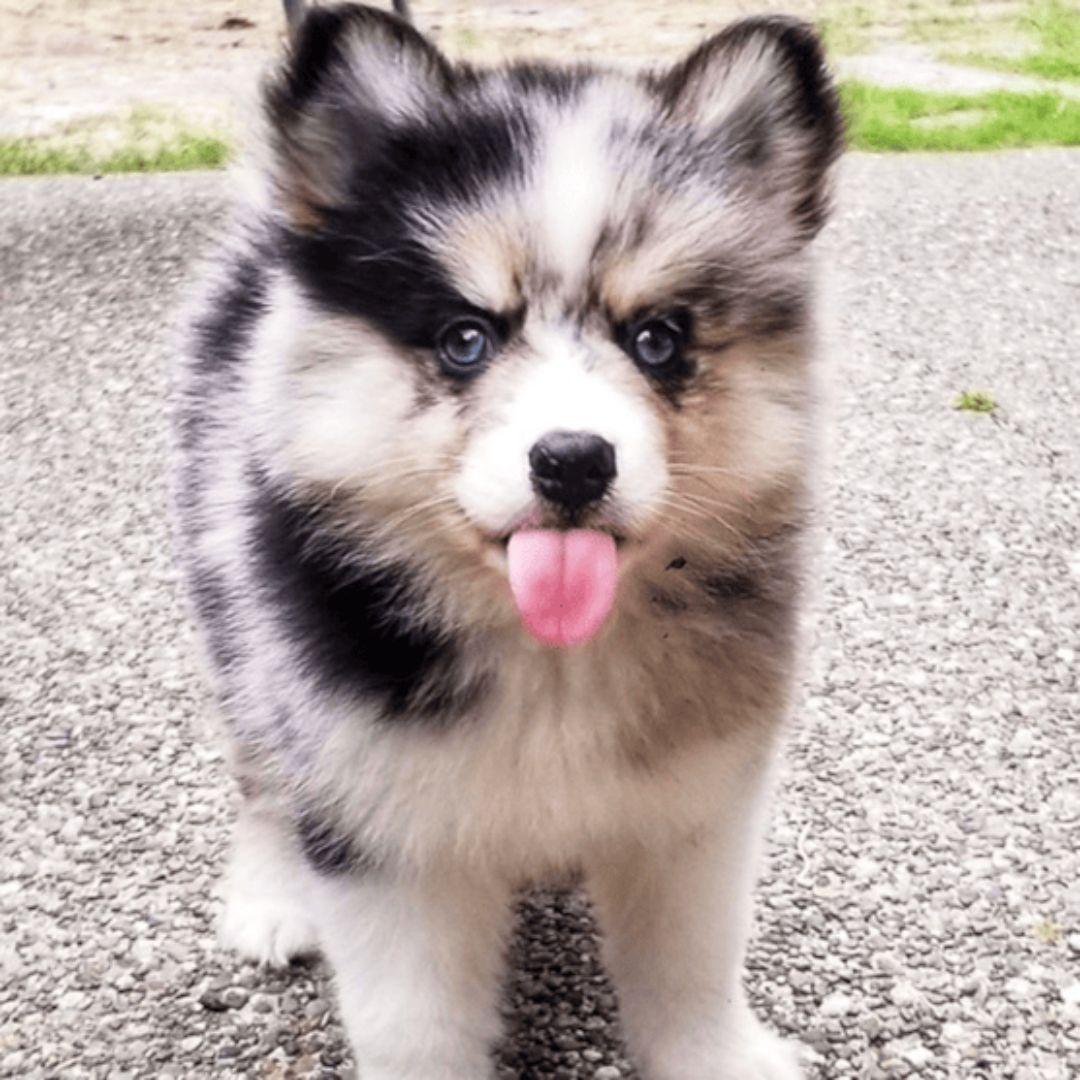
[
  {"x": 837, "y": 1004},
  {"x": 870, "y": 1026},
  {"x": 315, "y": 1009},
  {"x": 71, "y": 829},
  {"x": 212, "y": 1001},
  {"x": 142, "y": 952},
  {"x": 904, "y": 994},
  {"x": 919, "y": 1056}
]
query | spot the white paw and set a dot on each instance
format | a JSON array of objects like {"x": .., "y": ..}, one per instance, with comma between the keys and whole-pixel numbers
[{"x": 271, "y": 928}]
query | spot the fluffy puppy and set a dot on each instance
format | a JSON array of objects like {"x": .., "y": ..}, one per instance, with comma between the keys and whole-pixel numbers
[{"x": 494, "y": 447}]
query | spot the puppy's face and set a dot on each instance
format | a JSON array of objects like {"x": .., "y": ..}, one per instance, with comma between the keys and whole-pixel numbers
[{"x": 535, "y": 299}]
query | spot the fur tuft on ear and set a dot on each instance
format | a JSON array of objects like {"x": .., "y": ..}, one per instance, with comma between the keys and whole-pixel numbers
[
  {"x": 761, "y": 92},
  {"x": 352, "y": 73}
]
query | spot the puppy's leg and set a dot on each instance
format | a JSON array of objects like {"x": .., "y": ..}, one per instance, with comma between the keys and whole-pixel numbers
[
  {"x": 418, "y": 966},
  {"x": 267, "y": 915},
  {"x": 676, "y": 923}
]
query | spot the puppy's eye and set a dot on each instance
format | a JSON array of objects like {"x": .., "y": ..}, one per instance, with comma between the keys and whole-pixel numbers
[
  {"x": 656, "y": 344},
  {"x": 465, "y": 346}
]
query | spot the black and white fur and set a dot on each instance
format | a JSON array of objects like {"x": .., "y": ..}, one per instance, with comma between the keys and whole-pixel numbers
[{"x": 408, "y": 756}]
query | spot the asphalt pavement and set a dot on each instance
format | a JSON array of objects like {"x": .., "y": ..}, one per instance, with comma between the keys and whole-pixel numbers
[{"x": 920, "y": 915}]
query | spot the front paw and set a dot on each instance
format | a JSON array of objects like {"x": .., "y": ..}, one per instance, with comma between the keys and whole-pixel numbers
[{"x": 270, "y": 928}]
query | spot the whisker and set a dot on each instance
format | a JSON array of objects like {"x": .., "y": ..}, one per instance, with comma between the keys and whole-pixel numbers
[
  {"x": 678, "y": 502},
  {"x": 696, "y": 535}
]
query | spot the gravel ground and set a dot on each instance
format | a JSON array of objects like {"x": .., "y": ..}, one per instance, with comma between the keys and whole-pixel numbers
[{"x": 920, "y": 915}]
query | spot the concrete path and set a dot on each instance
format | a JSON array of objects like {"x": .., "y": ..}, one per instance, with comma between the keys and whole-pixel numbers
[{"x": 921, "y": 914}]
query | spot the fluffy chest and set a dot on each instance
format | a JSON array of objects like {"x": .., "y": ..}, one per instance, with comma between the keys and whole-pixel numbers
[{"x": 568, "y": 753}]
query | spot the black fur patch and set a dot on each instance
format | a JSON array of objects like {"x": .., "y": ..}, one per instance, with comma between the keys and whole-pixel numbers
[
  {"x": 364, "y": 259},
  {"x": 351, "y": 623},
  {"x": 329, "y": 851},
  {"x": 362, "y": 255},
  {"x": 210, "y": 596},
  {"x": 217, "y": 340},
  {"x": 220, "y": 335}
]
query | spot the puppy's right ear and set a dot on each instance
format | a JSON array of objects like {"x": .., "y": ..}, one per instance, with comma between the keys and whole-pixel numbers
[{"x": 352, "y": 75}]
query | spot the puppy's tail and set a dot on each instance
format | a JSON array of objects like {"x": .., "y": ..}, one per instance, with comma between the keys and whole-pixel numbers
[{"x": 294, "y": 12}]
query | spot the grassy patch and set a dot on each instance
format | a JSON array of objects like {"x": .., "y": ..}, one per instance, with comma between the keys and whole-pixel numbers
[
  {"x": 979, "y": 401},
  {"x": 898, "y": 118},
  {"x": 145, "y": 140},
  {"x": 27, "y": 157},
  {"x": 1052, "y": 30}
]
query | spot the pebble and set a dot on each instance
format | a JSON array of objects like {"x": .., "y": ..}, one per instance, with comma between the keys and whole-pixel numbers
[{"x": 836, "y": 1005}]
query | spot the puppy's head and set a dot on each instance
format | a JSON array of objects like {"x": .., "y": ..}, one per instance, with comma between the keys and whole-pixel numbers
[{"x": 560, "y": 312}]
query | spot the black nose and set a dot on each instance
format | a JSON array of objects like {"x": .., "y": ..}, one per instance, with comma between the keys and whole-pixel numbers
[{"x": 572, "y": 468}]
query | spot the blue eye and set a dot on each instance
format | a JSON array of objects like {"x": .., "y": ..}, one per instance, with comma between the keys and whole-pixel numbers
[
  {"x": 655, "y": 344},
  {"x": 464, "y": 346}
]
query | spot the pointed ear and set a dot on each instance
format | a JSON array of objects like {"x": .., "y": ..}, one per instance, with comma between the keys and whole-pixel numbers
[
  {"x": 351, "y": 75},
  {"x": 761, "y": 92}
]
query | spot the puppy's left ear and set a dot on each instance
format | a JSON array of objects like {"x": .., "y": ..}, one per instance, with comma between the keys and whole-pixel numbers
[{"x": 760, "y": 94}]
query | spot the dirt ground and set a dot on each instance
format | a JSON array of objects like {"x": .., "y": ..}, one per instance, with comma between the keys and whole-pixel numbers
[{"x": 64, "y": 62}]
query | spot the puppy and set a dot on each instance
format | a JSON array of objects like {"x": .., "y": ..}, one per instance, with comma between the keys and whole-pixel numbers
[{"x": 494, "y": 456}]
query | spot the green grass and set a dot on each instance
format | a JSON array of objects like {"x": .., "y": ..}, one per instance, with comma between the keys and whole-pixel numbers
[
  {"x": 29, "y": 156},
  {"x": 979, "y": 401},
  {"x": 146, "y": 139},
  {"x": 891, "y": 118},
  {"x": 1054, "y": 29}
]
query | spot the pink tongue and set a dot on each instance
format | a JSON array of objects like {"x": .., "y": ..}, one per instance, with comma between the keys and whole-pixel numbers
[{"x": 563, "y": 582}]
